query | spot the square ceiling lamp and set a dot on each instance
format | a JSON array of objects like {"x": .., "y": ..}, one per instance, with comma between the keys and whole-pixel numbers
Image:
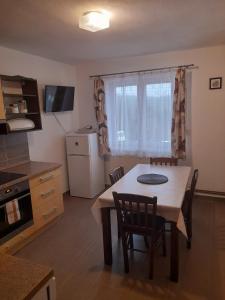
[{"x": 94, "y": 21}]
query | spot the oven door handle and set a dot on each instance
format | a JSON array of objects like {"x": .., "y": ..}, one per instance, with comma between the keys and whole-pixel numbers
[{"x": 16, "y": 198}]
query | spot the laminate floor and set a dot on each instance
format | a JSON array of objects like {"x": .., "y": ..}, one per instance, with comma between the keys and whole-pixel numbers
[{"x": 73, "y": 248}]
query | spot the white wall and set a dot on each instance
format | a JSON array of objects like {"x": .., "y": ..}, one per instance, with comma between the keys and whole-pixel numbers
[
  {"x": 208, "y": 106},
  {"x": 47, "y": 144}
]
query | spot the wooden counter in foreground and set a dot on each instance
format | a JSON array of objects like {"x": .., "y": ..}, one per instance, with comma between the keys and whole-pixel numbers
[{"x": 21, "y": 279}]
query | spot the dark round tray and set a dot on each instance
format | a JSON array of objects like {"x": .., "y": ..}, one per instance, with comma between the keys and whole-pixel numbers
[{"x": 152, "y": 179}]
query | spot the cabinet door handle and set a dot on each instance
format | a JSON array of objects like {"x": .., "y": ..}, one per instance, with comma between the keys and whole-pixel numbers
[
  {"x": 49, "y": 213},
  {"x": 48, "y": 193},
  {"x": 46, "y": 178}
]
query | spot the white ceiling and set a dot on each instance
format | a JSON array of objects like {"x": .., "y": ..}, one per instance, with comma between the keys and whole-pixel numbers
[{"x": 49, "y": 28}]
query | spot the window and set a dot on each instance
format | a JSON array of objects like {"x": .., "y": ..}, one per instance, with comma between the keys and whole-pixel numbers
[{"x": 139, "y": 111}]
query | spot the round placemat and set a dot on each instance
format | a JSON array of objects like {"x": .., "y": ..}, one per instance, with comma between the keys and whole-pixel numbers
[{"x": 152, "y": 179}]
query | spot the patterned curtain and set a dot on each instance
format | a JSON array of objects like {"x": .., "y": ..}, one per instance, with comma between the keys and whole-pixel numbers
[
  {"x": 178, "y": 121},
  {"x": 99, "y": 96}
]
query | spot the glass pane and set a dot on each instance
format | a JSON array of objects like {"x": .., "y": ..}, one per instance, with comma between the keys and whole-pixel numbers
[
  {"x": 158, "y": 117},
  {"x": 158, "y": 89},
  {"x": 127, "y": 90},
  {"x": 126, "y": 109}
]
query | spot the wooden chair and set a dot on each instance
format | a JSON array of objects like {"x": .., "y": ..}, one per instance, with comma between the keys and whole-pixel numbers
[
  {"x": 171, "y": 161},
  {"x": 116, "y": 174},
  {"x": 187, "y": 207},
  {"x": 137, "y": 215}
]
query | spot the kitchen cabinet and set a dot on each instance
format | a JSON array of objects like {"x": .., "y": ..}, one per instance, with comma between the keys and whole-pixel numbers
[
  {"x": 47, "y": 205},
  {"x": 19, "y": 104},
  {"x": 46, "y": 195},
  {"x": 47, "y": 292},
  {"x": 24, "y": 279}
]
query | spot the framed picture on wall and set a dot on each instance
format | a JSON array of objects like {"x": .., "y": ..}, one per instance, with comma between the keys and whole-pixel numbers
[{"x": 215, "y": 83}]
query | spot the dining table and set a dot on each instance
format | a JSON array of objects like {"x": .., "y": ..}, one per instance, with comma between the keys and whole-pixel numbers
[{"x": 169, "y": 195}]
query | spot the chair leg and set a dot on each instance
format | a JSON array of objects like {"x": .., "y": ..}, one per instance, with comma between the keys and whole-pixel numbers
[
  {"x": 146, "y": 241},
  {"x": 125, "y": 254},
  {"x": 119, "y": 233},
  {"x": 164, "y": 241},
  {"x": 188, "y": 244},
  {"x": 151, "y": 262},
  {"x": 131, "y": 241},
  {"x": 168, "y": 227},
  {"x": 189, "y": 233}
]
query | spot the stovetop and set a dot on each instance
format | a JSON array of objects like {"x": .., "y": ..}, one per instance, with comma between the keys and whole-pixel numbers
[{"x": 6, "y": 177}]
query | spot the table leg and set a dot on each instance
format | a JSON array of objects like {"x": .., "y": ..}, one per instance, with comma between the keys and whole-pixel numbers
[
  {"x": 107, "y": 238},
  {"x": 174, "y": 259}
]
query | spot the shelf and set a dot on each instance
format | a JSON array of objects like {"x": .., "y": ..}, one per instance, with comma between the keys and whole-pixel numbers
[
  {"x": 12, "y": 95},
  {"x": 17, "y": 78},
  {"x": 24, "y": 95},
  {"x": 18, "y": 95},
  {"x": 14, "y": 89},
  {"x": 22, "y": 114}
]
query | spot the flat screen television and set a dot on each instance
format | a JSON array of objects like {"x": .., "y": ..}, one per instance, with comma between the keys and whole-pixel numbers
[{"x": 58, "y": 98}]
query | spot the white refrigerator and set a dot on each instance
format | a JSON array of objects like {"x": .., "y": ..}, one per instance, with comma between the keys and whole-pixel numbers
[{"x": 85, "y": 166}]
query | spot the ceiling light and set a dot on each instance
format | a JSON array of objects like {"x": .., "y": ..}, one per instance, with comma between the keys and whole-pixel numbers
[{"x": 94, "y": 21}]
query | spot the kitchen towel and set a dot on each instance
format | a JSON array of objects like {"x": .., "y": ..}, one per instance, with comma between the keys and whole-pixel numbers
[{"x": 12, "y": 211}]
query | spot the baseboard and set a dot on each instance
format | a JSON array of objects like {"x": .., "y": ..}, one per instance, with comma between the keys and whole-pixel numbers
[{"x": 214, "y": 194}]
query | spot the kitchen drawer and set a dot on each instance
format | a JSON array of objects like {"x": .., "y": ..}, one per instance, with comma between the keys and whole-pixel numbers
[
  {"x": 46, "y": 196},
  {"x": 40, "y": 194},
  {"x": 50, "y": 202},
  {"x": 46, "y": 213},
  {"x": 44, "y": 177}
]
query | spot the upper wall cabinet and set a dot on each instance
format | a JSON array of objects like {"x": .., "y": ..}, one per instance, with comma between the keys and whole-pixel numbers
[{"x": 19, "y": 104}]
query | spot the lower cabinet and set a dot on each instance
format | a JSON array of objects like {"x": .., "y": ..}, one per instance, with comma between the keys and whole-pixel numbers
[
  {"x": 47, "y": 292},
  {"x": 47, "y": 200},
  {"x": 47, "y": 205}
]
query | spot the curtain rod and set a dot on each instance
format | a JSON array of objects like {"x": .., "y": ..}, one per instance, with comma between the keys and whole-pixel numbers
[{"x": 192, "y": 66}]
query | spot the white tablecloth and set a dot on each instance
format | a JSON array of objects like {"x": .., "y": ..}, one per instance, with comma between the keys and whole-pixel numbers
[{"x": 169, "y": 195}]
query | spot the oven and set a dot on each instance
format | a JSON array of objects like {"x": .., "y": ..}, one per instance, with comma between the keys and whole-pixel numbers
[{"x": 15, "y": 210}]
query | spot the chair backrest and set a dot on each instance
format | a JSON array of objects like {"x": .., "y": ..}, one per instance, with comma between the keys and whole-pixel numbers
[
  {"x": 171, "y": 161},
  {"x": 189, "y": 195},
  {"x": 193, "y": 184},
  {"x": 116, "y": 174},
  {"x": 133, "y": 212}
]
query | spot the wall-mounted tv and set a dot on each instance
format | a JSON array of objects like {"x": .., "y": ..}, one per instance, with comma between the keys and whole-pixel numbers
[{"x": 58, "y": 98}]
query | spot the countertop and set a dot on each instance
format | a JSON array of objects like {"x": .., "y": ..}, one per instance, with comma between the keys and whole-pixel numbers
[
  {"x": 33, "y": 168},
  {"x": 29, "y": 170},
  {"x": 21, "y": 279}
]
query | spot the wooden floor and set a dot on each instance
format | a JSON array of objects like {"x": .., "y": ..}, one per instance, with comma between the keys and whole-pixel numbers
[{"x": 73, "y": 248}]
